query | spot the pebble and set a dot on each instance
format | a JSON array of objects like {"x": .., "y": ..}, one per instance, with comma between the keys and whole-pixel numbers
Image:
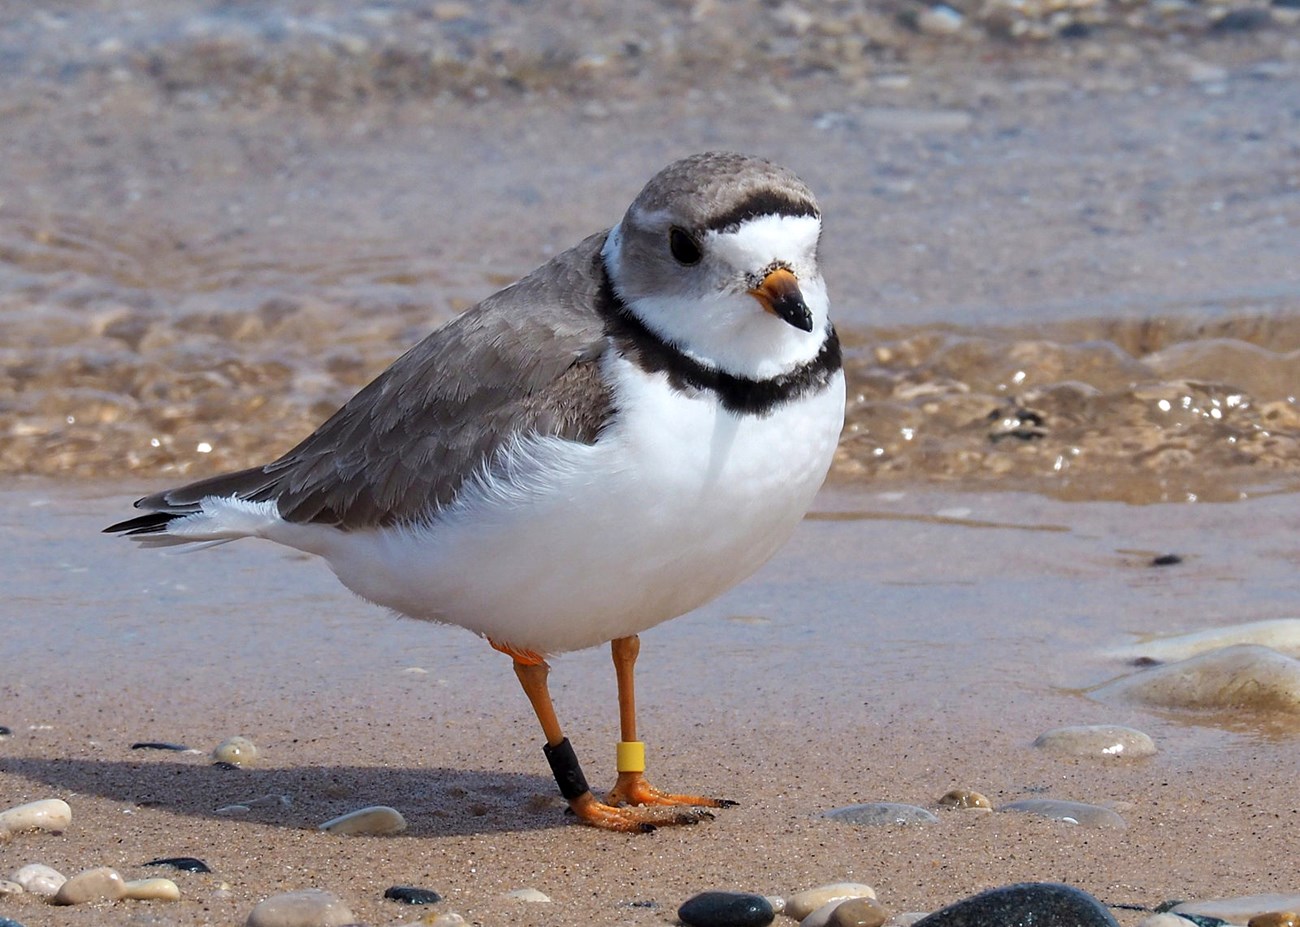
[
  {"x": 409, "y": 894},
  {"x": 876, "y": 813},
  {"x": 309, "y": 907},
  {"x": 1241, "y": 677},
  {"x": 1165, "y": 920},
  {"x": 237, "y": 751},
  {"x": 1101, "y": 740},
  {"x": 727, "y": 909},
  {"x": 1281, "y": 634},
  {"x": 858, "y": 912},
  {"x": 40, "y": 879},
  {"x": 7, "y": 922},
  {"x": 801, "y": 904},
  {"x": 152, "y": 890},
  {"x": 51, "y": 815},
  {"x": 4, "y": 731},
  {"x": 449, "y": 919},
  {"x": 530, "y": 895},
  {"x": 939, "y": 20},
  {"x": 183, "y": 863},
  {"x": 964, "y": 798},
  {"x": 1241, "y": 909},
  {"x": 10, "y": 888},
  {"x": 1275, "y": 919},
  {"x": 101, "y": 884},
  {"x": 1072, "y": 812},
  {"x": 1040, "y": 904},
  {"x": 375, "y": 820},
  {"x": 159, "y": 745}
]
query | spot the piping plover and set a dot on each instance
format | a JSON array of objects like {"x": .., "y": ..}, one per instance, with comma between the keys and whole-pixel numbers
[{"x": 610, "y": 442}]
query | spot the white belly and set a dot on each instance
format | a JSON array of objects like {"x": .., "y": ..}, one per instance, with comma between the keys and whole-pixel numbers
[{"x": 675, "y": 503}]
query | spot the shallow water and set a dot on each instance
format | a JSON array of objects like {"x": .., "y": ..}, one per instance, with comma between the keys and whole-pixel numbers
[{"x": 1069, "y": 269}]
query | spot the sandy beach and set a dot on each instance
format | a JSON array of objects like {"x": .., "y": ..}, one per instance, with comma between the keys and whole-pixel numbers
[{"x": 1065, "y": 269}]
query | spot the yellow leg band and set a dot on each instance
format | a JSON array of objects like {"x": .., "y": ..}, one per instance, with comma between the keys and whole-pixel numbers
[{"x": 631, "y": 756}]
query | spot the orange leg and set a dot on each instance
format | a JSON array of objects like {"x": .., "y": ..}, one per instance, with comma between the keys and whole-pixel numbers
[
  {"x": 532, "y": 671},
  {"x": 632, "y": 787}
]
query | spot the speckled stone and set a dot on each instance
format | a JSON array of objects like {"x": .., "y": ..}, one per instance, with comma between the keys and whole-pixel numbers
[
  {"x": 309, "y": 907},
  {"x": 40, "y": 879},
  {"x": 1030, "y": 904},
  {"x": 101, "y": 884},
  {"x": 878, "y": 813},
  {"x": 376, "y": 820},
  {"x": 965, "y": 798},
  {"x": 803, "y": 903},
  {"x": 236, "y": 751},
  {"x": 726, "y": 909},
  {"x": 1099, "y": 740},
  {"x": 1071, "y": 812},
  {"x": 51, "y": 815},
  {"x": 8, "y": 887}
]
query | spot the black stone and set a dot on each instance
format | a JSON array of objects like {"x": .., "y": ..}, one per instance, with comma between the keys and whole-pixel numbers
[
  {"x": 726, "y": 909},
  {"x": 158, "y": 745},
  {"x": 4, "y": 731},
  {"x": 1029, "y": 904},
  {"x": 1166, "y": 560},
  {"x": 1202, "y": 920},
  {"x": 183, "y": 863},
  {"x": 408, "y": 894},
  {"x": 222, "y": 764}
]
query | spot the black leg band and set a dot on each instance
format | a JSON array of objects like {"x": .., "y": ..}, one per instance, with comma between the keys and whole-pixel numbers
[{"x": 565, "y": 768}]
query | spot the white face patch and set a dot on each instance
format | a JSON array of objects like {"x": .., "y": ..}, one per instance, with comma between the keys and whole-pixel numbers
[{"x": 790, "y": 241}]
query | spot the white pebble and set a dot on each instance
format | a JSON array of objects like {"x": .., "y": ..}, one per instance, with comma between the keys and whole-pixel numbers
[
  {"x": 450, "y": 919},
  {"x": 156, "y": 889},
  {"x": 801, "y": 904},
  {"x": 1164, "y": 920},
  {"x": 1100, "y": 740},
  {"x": 40, "y": 879},
  {"x": 530, "y": 895},
  {"x": 50, "y": 814},
  {"x": 101, "y": 884},
  {"x": 237, "y": 751},
  {"x": 939, "y": 20},
  {"x": 10, "y": 888},
  {"x": 1240, "y": 909},
  {"x": 309, "y": 907},
  {"x": 1281, "y": 634},
  {"x": 377, "y": 819}
]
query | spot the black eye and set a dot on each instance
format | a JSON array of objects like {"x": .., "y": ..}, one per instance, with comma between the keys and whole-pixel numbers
[{"x": 684, "y": 248}]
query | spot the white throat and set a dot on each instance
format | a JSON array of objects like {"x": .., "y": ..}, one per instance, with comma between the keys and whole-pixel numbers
[{"x": 723, "y": 326}]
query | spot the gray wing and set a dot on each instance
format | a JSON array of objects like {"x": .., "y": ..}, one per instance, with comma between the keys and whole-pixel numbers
[{"x": 522, "y": 362}]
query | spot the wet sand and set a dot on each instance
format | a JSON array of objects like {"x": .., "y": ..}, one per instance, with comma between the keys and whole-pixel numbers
[
  {"x": 1066, "y": 277},
  {"x": 813, "y": 686}
]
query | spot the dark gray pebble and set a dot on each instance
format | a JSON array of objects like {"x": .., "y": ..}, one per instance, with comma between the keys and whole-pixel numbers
[
  {"x": 1203, "y": 920},
  {"x": 4, "y": 731},
  {"x": 1029, "y": 904},
  {"x": 1246, "y": 19},
  {"x": 408, "y": 894},
  {"x": 1166, "y": 560},
  {"x": 183, "y": 863},
  {"x": 726, "y": 909},
  {"x": 222, "y": 764},
  {"x": 158, "y": 745}
]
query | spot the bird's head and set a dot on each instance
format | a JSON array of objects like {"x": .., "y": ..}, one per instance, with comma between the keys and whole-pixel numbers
[{"x": 718, "y": 255}]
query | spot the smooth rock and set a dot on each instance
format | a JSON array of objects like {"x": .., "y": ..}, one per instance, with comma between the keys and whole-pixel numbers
[
  {"x": 1030, "y": 904},
  {"x": 1165, "y": 920},
  {"x": 876, "y": 813},
  {"x": 858, "y": 912},
  {"x": 375, "y": 820},
  {"x": 152, "y": 890},
  {"x": 1275, "y": 919},
  {"x": 1101, "y": 740},
  {"x": 1241, "y": 909},
  {"x": 727, "y": 909},
  {"x": 1071, "y": 812},
  {"x": 1242, "y": 677},
  {"x": 939, "y": 19},
  {"x": 409, "y": 894},
  {"x": 236, "y": 751},
  {"x": 11, "y": 888},
  {"x": 530, "y": 895},
  {"x": 1280, "y": 634},
  {"x": 40, "y": 879},
  {"x": 309, "y": 907},
  {"x": 101, "y": 884},
  {"x": 183, "y": 863},
  {"x": 8, "y": 922},
  {"x": 803, "y": 903},
  {"x": 449, "y": 919},
  {"x": 50, "y": 814},
  {"x": 964, "y": 798}
]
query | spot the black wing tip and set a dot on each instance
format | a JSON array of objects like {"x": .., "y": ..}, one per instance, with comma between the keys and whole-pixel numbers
[{"x": 152, "y": 523}]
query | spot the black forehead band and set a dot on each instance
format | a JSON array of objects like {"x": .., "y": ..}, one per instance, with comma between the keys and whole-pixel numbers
[{"x": 762, "y": 203}]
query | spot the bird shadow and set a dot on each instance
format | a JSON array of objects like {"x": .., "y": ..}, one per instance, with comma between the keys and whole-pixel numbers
[{"x": 436, "y": 801}]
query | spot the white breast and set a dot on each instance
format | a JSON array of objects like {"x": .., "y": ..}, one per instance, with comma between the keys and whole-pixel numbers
[{"x": 577, "y": 544}]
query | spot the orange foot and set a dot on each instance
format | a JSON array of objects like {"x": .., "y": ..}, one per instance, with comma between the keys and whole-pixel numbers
[
  {"x": 630, "y": 820},
  {"x": 633, "y": 789}
]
